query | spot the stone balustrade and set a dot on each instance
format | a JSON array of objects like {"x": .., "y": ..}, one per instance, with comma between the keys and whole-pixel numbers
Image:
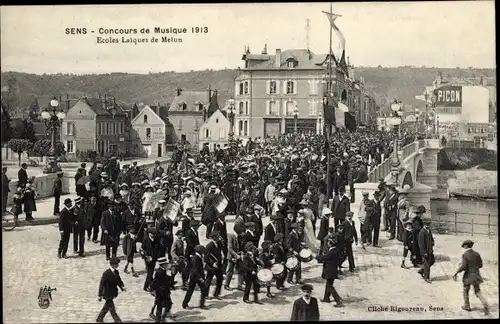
[{"x": 44, "y": 183}]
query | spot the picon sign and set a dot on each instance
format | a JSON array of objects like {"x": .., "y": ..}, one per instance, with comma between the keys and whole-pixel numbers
[{"x": 448, "y": 96}]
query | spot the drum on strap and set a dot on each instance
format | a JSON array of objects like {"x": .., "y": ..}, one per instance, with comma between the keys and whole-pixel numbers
[
  {"x": 278, "y": 270},
  {"x": 305, "y": 255},
  {"x": 292, "y": 263},
  {"x": 264, "y": 277}
]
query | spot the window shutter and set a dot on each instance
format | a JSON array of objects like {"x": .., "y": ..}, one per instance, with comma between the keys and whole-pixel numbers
[
  {"x": 284, "y": 86},
  {"x": 268, "y": 107},
  {"x": 277, "y": 87},
  {"x": 268, "y": 87},
  {"x": 65, "y": 128},
  {"x": 284, "y": 107},
  {"x": 294, "y": 87}
]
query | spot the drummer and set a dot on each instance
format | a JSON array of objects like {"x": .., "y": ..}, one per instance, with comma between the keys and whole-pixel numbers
[
  {"x": 279, "y": 254},
  {"x": 294, "y": 246},
  {"x": 267, "y": 261}
]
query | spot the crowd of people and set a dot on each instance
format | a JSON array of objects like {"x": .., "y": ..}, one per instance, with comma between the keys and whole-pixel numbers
[{"x": 282, "y": 178}]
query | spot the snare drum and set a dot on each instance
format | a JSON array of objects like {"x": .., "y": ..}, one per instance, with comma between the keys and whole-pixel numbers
[
  {"x": 264, "y": 277},
  {"x": 305, "y": 255},
  {"x": 292, "y": 263},
  {"x": 278, "y": 270}
]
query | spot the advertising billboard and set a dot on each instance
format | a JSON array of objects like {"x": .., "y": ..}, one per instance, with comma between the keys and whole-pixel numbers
[{"x": 448, "y": 96}]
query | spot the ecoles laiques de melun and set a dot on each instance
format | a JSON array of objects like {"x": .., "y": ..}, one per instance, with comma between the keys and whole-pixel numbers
[{"x": 156, "y": 30}]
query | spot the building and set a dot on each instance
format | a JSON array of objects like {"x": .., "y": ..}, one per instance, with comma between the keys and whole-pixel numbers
[
  {"x": 463, "y": 107},
  {"x": 149, "y": 132},
  {"x": 97, "y": 124},
  {"x": 187, "y": 113},
  {"x": 215, "y": 131},
  {"x": 270, "y": 88}
]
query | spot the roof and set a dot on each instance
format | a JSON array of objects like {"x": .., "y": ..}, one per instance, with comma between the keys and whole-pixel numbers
[
  {"x": 213, "y": 106},
  {"x": 97, "y": 105},
  {"x": 190, "y": 98},
  {"x": 256, "y": 57},
  {"x": 163, "y": 114},
  {"x": 305, "y": 58}
]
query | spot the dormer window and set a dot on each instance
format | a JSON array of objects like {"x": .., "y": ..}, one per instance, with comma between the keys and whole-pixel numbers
[
  {"x": 291, "y": 62},
  {"x": 200, "y": 106},
  {"x": 145, "y": 119},
  {"x": 182, "y": 106}
]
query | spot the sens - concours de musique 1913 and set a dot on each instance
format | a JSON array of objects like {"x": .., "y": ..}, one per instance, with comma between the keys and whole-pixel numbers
[{"x": 138, "y": 35}]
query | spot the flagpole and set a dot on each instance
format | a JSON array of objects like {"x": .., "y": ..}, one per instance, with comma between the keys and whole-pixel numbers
[{"x": 329, "y": 128}]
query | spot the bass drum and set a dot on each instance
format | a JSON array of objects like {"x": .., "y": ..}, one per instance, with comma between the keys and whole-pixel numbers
[{"x": 264, "y": 277}]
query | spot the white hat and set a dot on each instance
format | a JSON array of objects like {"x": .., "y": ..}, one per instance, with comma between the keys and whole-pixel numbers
[
  {"x": 163, "y": 201},
  {"x": 327, "y": 211},
  {"x": 162, "y": 260}
]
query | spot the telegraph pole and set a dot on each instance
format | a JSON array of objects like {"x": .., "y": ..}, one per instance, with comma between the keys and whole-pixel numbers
[{"x": 329, "y": 128}]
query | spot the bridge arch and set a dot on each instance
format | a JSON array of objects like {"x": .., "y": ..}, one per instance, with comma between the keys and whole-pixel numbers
[
  {"x": 406, "y": 179},
  {"x": 419, "y": 170}
]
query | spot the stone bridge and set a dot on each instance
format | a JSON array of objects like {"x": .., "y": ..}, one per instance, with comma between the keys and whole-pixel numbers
[{"x": 418, "y": 169}]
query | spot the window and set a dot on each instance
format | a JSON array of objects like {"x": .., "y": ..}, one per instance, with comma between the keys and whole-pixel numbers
[
  {"x": 70, "y": 147},
  {"x": 246, "y": 87},
  {"x": 148, "y": 132},
  {"x": 107, "y": 128},
  {"x": 290, "y": 106},
  {"x": 217, "y": 120},
  {"x": 113, "y": 128},
  {"x": 98, "y": 129},
  {"x": 240, "y": 128},
  {"x": 113, "y": 148},
  {"x": 121, "y": 128},
  {"x": 200, "y": 107},
  {"x": 272, "y": 87},
  {"x": 290, "y": 89},
  {"x": 70, "y": 128},
  {"x": 241, "y": 88},
  {"x": 247, "y": 111},
  {"x": 313, "y": 87},
  {"x": 179, "y": 124},
  {"x": 184, "y": 106},
  {"x": 245, "y": 124},
  {"x": 241, "y": 108},
  {"x": 290, "y": 63},
  {"x": 482, "y": 130},
  {"x": 207, "y": 133},
  {"x": 222, "y": 133},
  {"x": 313, "y": 108},
  {"x": 145, "y": 119},
  {"x": 273, "y": 108}
]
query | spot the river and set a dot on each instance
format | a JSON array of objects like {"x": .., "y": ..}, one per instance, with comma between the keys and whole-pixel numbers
[{"x": 465, "y": 216}]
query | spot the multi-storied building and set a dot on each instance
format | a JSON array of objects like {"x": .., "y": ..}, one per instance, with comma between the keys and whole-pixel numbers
[
  {"x": 272, "y": 89},
  {"x": 97, "y": 124},
  {"x": 150, "y": 129}
]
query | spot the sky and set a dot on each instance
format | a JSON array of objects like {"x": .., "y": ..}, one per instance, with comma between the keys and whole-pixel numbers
[{"x": 440, "y": 34}]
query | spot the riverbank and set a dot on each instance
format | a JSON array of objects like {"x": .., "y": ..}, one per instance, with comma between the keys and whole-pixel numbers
[{"x": 474, "y": 183}]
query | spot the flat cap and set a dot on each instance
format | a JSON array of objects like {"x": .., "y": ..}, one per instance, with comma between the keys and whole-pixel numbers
[
  {"x": 306, "y": 287},
  {"x": 266, "y": 244},
  {"x": 349, "y": 214},
  {"x": 67, "y": 201},
  {"x": 365, "y": 194},
  {"x": 467, "y": 243},
  {"x": 114, "y": 260}
]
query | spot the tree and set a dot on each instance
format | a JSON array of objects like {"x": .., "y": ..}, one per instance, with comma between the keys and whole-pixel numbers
[
  {"x": 10, "y": 98},
  {"x": 24, "y": 130},
  {"x": 6, "y": 127},
  {"x": 42, "y": 148},
  {"x": 34, "y": 110},
  {"x": 19, "y": 146}
]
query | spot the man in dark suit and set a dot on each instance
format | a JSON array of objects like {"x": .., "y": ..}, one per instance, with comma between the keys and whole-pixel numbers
[
  {"x": 471, "y": 263},
  {"x": 79, "y": 227},
  {"x": 57, "y": 191},
  {"x": 213, "y": 262},
  {"x": 249, "y": 269},
  {"x": 249, "y": 235},
  {"x": 108, "y": 289},
  {"x": 337, "y": 181},
  {"x": 165, "y": 227},
  {"x": 331, "y": 261},
  {"x": 151, "y": 251},
  {"x": 340, "y": 206},
  {"x": 294, "y": 245},
  {"x": 22, "y": 176},
  {"x": 192, "y": 240},
  {"x": 279, "y": 254},
  {"x": 351, "y": 236},
  {"x": 65, "y": 224},
  {"x": 271, "y": 228},
  {"x": 5, "y": 189},
  {"x": 187, "y": 220},
  {"x": 288, "y": 221},
  {"x": 392, "y": 210},
  {"x": 305, "y": 309},
  {"x": 209, "y": 212},
  {"x": 111, "y": 229},
  {"x": 327, "y": 221},
  {"x": 196, "y": 277},
  {"x": 426, "y": 246},
  {"x": 161, "y": 286},
  {"x": 221, "y": 228}
]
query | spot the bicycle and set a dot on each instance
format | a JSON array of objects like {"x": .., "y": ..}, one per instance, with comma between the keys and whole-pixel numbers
[{"x": 9, "y": 221}]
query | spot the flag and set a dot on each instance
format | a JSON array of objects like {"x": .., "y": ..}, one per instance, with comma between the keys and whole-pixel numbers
[
  {"x": 350, "y": 121},
  {"x": 172, "y": 209},
  {"x": 338, "y": 46},
  {"x": 220, "y": 203},
  {"x": 329, "y": 107},
  {"x": 340, "y": 115}
]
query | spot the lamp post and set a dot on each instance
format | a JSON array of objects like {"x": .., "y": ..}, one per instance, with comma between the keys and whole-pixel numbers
[
  {"x": 295, "y": 117},
  {"x": 396, "y": 121},
  {"x": 320, "y": 126},
  {"x": 232, "y": 112},
  {"x": 417, "y": 116},
  {"x": 53, "y": 121}
]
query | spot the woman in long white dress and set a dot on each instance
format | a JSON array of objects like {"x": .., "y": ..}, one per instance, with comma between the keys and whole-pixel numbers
[{"x": 309, "y": 237}]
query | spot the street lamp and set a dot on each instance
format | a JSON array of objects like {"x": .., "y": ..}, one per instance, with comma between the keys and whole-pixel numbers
[
  {"x": 396, "y": 121},
  {"x": 53, "y": 120},
  {"x": 295, "y": 117},
  {"x": 320, "y": 130},
  {"x": 232, "y": 112},
  {"x": 417, "y": 115}
]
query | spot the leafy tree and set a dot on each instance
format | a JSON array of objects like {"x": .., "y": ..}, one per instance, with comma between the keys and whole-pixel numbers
[
  {"x": 6, "y": 127},
  {"x": 19, "y": 146},
  {"x": 34, "y": 110},
  {"x": 42, "y": 148},
  {"x": 24, "y": 130}
]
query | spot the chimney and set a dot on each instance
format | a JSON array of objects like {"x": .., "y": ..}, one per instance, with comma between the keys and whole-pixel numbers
[
  {"x": 278, "y": 58},
  {"x": 264, "y": 51},
  {"x": 248, "y": 49},
  {"x": 209, "y": 93},
  {"x": 178, "y": 91},
  {"x": 158, "y": 109}
]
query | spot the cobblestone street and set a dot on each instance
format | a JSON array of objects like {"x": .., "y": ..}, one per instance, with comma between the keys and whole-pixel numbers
[{"x": 30, "y": 262}]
